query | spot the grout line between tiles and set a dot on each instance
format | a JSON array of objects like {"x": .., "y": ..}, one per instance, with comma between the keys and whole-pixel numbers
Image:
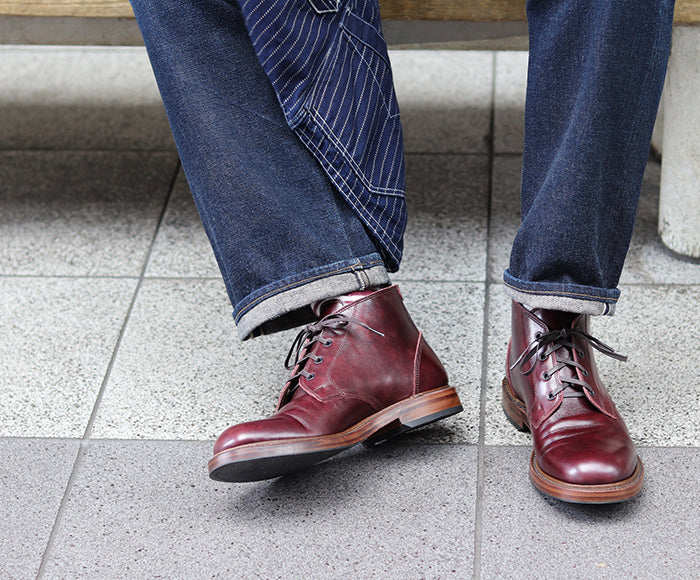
[
  {"x": 479, "y": 500},
  {"x": 88, "y": 428}
]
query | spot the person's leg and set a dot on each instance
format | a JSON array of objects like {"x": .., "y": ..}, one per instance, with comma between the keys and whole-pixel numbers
[
  {"x": 291, "y": 251},
  {"x": 283, "y": 237},
  {"x": 595, "y": 77}
]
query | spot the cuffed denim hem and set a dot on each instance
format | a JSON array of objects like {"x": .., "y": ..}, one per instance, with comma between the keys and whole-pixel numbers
[
  {"x": 287, "y": 303},
  {"x": 564, "y": 297}
]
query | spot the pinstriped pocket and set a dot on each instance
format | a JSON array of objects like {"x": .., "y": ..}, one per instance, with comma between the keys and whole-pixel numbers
[
  {"x": 356, "y": 73},
  {"x": 325, "y": 6}
]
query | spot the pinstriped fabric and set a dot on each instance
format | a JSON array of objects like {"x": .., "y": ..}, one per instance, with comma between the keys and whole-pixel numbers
[{"x": 328, "y": 63}]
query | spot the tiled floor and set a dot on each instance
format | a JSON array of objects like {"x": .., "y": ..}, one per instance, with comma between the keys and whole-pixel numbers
[{"x": 120, "y": 362}]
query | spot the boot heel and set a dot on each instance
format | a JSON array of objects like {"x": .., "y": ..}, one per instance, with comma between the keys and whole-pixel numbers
[
  {"x": 422, "y": 410},
  {"x": 514, "y": 408}
]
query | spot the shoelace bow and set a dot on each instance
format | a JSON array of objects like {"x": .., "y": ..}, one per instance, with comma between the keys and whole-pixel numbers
[
  {"x": 301, "y": 348},
  {"x": 545, "y": 344}
]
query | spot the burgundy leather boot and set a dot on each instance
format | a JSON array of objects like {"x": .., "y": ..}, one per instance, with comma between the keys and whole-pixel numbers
[
  {"x": 582, "y": 450},
  {"x": 361, "y": 374}
]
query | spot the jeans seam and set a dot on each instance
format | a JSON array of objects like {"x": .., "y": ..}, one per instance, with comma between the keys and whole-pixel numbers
[
  {"x": 561, "y": 293},
  {"x": 353, "y": 269}
]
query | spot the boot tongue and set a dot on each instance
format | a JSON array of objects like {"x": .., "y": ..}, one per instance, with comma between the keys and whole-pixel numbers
[
  {"x": 555, "y": 319},
  {"x": 330, "y": 305}
]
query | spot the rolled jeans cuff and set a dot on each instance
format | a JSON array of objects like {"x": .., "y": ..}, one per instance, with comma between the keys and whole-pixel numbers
[
  {"x": 565, "y": 297},
  {"x": 287, "y": 303}
]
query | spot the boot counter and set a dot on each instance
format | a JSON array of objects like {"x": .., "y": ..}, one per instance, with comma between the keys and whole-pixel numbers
[{"x": 429, "y": 372}]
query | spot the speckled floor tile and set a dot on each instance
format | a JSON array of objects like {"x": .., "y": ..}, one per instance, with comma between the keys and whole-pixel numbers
[
  {"x": 498, "y": 430},
  {"x": 651, "y": 389},
  {"x": 509, "y": 101},
  {"x": 182, "y": 373},
  {"x": 527, "y": 536},
  {"x": 648, "y": 260},
  {"x": 33, "y": 478},
  {"x": 445, "y": 99},
  {"x": 505, "y": 212},
  {"x": 181, "y": 248},
  {"x": 147, "y": 510},
  {"x": 451, "y": 318},
  {"x": 57, "y": 341},
  {"x": 447, "y": 217},
  {"x": 63, "y": 97},
  {"x": 80, "y": 213}
]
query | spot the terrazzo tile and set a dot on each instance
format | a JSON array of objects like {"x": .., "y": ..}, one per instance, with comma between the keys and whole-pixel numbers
[
  {"x": 80, "y": 213},
  {"x": 181, "y": 247},
  {"x": 146, "y": 510},
  {"x": 505, "y": 213},
  {"x": 444, "y": 98},
  {"x": 181, "y": 372},
  {"x": 498, "y": 430},
  {"x": 80, "y": 98},
  {"x": 509, "y": 101},
  {"x": 450, "y": 315},
  {"x": 57, "y": 341},
  {"x": 650, "y": 388},
  {"x": 447, "y": 217},
  {"x": 648, "y": 260},
  {"x": 33, "y": 478},
  {"x": 525, "y": 535}
]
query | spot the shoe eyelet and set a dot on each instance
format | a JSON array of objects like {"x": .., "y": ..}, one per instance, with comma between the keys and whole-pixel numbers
[
  {"x": 546, "y": 376},
  {"x": 541, "y": 357},
  {"x": 327, "y": 342},
  {"x": 310, "y": 377},
  {"x": 591, "y": 393},
  {"x": 585, "y": 373},
  {"x": 538, "y": 335},
  {"x": 551, "y": 396},
  {"x": 318, "y": 360}
]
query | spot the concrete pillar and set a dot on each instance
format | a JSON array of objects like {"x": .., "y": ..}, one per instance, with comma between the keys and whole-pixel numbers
[{"x": 679, "y": 204}]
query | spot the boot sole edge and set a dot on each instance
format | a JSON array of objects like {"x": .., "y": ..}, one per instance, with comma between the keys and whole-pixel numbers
[
  {"x": 604, "y": 493},
  {"x": 270, "y": 459}
]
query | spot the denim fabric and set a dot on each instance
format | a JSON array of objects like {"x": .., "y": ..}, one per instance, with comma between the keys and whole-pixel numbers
[
  {"x": 595, "y": 76},
  {"x": 266, "y": 150},
  {"x": 328, "y": 63},
  {"x": 276, "y": 223}
]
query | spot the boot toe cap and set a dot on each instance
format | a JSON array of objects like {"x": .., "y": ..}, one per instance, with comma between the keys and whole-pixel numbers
[
  {"x": 587, "y": 463},
  {"x": 274, "y": 428}
]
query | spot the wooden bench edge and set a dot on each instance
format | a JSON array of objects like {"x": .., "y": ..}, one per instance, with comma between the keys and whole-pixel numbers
[{"x": 687, "y": 11}]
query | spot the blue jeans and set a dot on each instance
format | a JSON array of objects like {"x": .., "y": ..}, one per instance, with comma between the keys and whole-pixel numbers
[
  {"x": 595, "y": 76},
  {"x": 296, "y": 162}
]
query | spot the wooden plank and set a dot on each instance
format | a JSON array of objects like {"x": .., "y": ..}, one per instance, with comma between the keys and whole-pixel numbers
[
  {"x": 469, "y": 10},
  {"x": 687, "y": 11},
  {"x": 76, "y": 8}
]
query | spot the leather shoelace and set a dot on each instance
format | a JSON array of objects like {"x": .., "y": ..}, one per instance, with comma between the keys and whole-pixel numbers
[
  {"x": 300, "y": 351},
  {"x": 545, "y": 344}
]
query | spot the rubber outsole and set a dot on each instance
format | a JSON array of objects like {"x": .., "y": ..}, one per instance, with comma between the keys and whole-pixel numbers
[{"x": 270, "y": 459}]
